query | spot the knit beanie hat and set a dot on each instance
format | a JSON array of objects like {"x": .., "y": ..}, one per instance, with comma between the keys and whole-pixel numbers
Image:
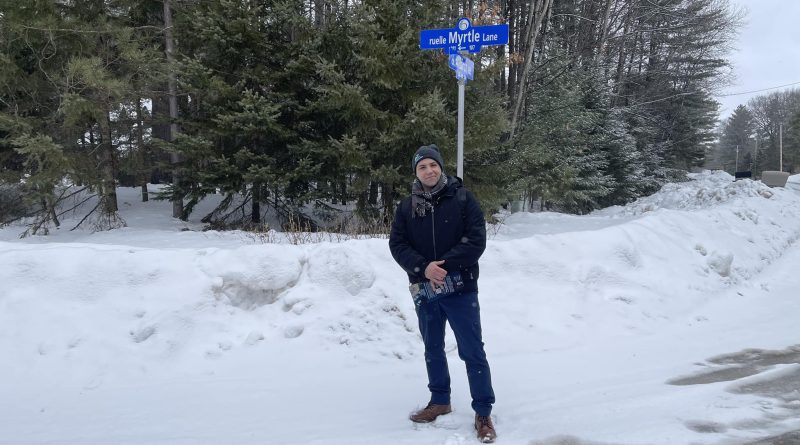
[{"x": 425, "y": 152}]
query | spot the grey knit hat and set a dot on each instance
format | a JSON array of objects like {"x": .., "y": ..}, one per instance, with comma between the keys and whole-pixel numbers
[{"x": 425, "y": 152}]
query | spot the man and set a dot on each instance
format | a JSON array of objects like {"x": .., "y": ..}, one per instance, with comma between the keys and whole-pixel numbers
[{"x": 437, "y": 236}]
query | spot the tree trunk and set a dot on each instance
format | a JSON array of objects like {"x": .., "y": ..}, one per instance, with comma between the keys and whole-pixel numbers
[
  {"x": 319, "y": 13},
  {"x": 387, "y": 197},
  {"x": 108, "y": 170},
  {"x": 109, "y": 217},
  {"x": 602, "y": 41},
  {"x": 142, "y": 174},
  {"x": 618, "y": 85},
  {"x": 536, "y": 18},
  {"x": 373, "y": 193},
  {"x": 255, "y": 214},
  {"x": 177, "y": 201},
  {"x": 512, "y": 48}
]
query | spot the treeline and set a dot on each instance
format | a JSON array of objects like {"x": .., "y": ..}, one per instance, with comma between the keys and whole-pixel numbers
[
  {"x": 752, "y": 137},
  {"x": 301, "y": 109}
]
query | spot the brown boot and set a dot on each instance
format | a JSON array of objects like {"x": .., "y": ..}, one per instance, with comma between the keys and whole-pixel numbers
[
  {"x": 485, "y": 429},
  {"x": 429, "y": 413}
]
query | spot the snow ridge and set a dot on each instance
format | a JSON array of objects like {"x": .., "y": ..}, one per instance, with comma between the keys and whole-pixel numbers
[{"x": 617, "y": 272}]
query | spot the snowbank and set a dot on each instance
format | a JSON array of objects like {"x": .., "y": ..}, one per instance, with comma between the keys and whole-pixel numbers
[{"x": 620, "y": 269}]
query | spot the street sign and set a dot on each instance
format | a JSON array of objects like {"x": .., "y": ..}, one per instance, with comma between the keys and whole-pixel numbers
[
  {"x": 464, "y": 37},
  {"x": 463, "y": 66}
]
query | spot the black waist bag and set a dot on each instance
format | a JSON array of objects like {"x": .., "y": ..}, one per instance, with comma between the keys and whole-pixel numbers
[{"x": 425, "y": 292}]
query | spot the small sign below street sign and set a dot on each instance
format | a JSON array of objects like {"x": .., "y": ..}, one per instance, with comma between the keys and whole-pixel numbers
[
  {"x": 464, "y": 37},
  {"x": 463, "y": 66}
]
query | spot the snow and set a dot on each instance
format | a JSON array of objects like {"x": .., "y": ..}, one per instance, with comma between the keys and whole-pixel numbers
[{"x": 666, "y": 321}]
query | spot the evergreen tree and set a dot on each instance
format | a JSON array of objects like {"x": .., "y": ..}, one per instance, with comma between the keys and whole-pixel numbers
[
  {"x": 28, "y": 107},
  {"x": 238, "y": 127},
  {"x": 79, "y": 68},
  {"x": 555, "y": 161},
  {"x": 625, "y": 164},
  {"x": 737, "y": 140}
]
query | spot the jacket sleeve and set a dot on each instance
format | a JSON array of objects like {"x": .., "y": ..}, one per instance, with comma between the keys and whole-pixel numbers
[
  {"x": 409, "y": 259},
  {"x": 473, "y": 241}
]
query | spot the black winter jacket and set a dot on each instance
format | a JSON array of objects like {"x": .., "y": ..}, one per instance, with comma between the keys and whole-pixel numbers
[{"x": 452, "y": 231}]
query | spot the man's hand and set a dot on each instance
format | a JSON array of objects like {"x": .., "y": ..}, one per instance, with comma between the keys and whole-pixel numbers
[{"x": 435, "y": 273}]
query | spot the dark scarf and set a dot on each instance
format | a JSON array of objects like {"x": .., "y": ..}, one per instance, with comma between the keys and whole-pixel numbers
[{"x": 422, "y": 201}]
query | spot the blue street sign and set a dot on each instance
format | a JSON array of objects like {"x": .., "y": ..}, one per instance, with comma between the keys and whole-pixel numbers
[
  {"x": 463, "y": 66},
  {"x": 464, "y": 37}
]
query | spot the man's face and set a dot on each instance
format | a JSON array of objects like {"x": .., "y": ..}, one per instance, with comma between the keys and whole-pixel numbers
[{"x": 428, "y": 172}]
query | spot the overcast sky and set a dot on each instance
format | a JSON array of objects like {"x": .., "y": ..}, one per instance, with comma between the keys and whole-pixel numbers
[{"x": 768, "y": 51}]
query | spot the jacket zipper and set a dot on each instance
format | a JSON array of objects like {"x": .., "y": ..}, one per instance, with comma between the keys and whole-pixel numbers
[{"x": 433, "y": 229}]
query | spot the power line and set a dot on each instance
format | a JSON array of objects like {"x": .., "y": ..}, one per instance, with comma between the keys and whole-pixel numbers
[{"x": 757, "y": 91}]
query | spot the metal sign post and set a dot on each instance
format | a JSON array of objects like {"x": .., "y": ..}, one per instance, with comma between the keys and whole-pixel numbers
[
  {"x": 460, "y": 138},
  {"x": 465, "y": 70},
  {"x": 458, "y": 42}
]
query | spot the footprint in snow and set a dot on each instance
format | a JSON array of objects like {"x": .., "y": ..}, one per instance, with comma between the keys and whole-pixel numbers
[{"x": 293, "y": 331}]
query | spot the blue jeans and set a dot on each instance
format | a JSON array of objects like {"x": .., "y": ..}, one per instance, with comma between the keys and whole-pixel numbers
[{"x": 463, "y": 313}]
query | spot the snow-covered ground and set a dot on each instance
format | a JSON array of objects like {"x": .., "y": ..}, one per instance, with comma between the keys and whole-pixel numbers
[{"x": 672, "y": 320}]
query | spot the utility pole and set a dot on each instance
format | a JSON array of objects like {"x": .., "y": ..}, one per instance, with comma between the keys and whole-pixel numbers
[
  {"x": 780, "y": 139},
  {"x": 755, "y": 157},
  {"x": 736, "y": 168}
]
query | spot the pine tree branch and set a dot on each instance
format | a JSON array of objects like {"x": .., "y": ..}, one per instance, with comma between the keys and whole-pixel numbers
[
  {"x": 99, "y": 201},
  {"x": 91, "y": 31},
  {"x": 76, "y": 205}
]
